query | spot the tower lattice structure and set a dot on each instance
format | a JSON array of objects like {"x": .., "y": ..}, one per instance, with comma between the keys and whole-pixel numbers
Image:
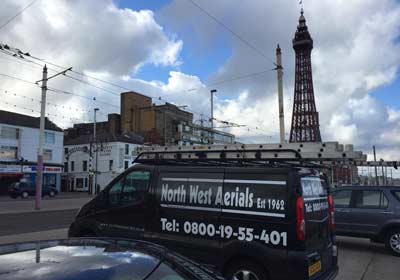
[{"x": 305, "y": 122}]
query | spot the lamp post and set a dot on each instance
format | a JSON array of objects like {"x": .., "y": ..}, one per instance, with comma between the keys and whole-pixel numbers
[
  {"x": 212, "y": 114},
  {"x": 383, "y": 173},
  {"x": 376, "y": 169},
  {"x": 39, "y": 172},
  {"x": 96, "y": 152}
]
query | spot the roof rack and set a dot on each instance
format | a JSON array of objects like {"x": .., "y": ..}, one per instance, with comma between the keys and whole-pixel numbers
[{"x": 313, "y": 154}]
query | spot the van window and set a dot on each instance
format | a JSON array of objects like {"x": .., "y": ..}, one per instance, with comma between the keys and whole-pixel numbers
[
  {"x": 342, "y": 198},
  {"x": 313, "y": 187},
  {"x": 135, "y": 186},
  {"x": 114, "y": 194},
  {"x": 397, "y": 194}
]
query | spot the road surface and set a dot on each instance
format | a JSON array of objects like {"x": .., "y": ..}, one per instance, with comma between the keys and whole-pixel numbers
[{"x": 359, "y": 259}]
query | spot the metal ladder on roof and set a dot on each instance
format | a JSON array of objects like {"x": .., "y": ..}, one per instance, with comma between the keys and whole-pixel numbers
[{"x": 320, "y": 153}]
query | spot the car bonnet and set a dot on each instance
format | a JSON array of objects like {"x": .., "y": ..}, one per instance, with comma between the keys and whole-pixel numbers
[{"x": 74, "y": 259}]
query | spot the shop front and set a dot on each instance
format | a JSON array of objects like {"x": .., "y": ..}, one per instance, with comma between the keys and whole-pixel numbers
[
  {"x": 14, "y": 173},
  {"x": 8, "y": 175}
]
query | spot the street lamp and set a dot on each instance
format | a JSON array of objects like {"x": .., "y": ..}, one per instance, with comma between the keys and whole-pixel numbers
[
  {"x": 96, "y": 151},
  {"x": 212, "y": 114}
]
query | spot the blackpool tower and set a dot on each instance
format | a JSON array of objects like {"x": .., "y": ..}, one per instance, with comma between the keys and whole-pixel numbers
[{"x": 305, "y": 123}]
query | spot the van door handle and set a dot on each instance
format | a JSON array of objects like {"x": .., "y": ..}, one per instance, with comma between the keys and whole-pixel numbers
[{"x": 342, "y": 210}]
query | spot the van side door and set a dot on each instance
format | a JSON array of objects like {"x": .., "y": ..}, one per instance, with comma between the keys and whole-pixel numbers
[
  {"x": 187, "y": 218},
  {"x": 127, "y": 212}
]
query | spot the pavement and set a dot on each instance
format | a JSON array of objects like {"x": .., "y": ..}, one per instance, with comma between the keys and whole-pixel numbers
[
  {"x": 363, "y": 260},
  {"x": 359, "y": 259}
]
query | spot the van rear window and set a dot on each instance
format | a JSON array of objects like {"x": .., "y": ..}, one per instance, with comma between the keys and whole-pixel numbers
[{"x": 313, "y": 187}]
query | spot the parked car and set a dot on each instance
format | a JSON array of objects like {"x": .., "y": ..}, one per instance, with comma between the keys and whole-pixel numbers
[
  {"x": 25, "y": 189},
  {"x": 371, "y": 212},
  {"x": 260, "y": 222},
  {"x": 97, "y": 259}
]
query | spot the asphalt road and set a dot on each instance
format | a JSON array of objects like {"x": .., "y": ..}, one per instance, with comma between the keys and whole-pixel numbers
[{"x": 35, "y": 221}]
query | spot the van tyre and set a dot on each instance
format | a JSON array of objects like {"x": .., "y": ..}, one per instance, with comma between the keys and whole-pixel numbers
[
  {"x": 244, "y": 270},
  {"x": 393, "y": 241},
  {"x": 24, "y": 194}
]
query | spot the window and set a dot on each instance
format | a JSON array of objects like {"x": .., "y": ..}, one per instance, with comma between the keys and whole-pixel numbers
[
  {"x": 49, "y": 137},
  {"x": 8, "y": 132},
  {"x": 47, "y": 154},
  {"x": 49, "y": 180},
  {"x": 342, "y": 198},
  {"x": 135, "y": 186},
  {"x": 65, "y": 151},
  {"x": 114, "y": 194},
  {"x": 8, "y": 152},
  {"x": 65, "y": 166},
  {"x": 126, "y": 149},
  {"x": 371, "y": 199},
  {"x": 129, "y": 189},
  {"x": 396, "y": 194},
  {"x": 84, "y": 165},
  {"x": 111, "y": 165},
  {"x": 72, "y": 165},
  {"x": 313, "y": 187},
  {"x": 126, "y": 164}
]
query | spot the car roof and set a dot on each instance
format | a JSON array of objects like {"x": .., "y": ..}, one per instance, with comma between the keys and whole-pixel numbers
[{"x": 91, "y": 258}]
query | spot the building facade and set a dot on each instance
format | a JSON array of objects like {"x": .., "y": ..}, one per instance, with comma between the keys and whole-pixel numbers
[
  {"x": 192, "y": 134},
  {"x": 165, "y": 124},
  {"x": 19, "y": 142},
  {"x": 79, "y": 164},
  {"x": 115, "y": 149}
]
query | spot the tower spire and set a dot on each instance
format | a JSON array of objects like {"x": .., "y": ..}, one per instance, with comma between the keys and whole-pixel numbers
[{"x": 305, "y": 120}]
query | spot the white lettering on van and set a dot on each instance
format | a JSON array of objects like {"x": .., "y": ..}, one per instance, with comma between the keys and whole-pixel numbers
[
  {"x": 218, "y": 197},
  {"x": 199, "y": 196},
  {"x": 177, "y": 195},
  {"x": 238, "y": 198}
]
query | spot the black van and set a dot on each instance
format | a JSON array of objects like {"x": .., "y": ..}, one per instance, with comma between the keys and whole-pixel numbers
[{"x": 250, "y": 221}]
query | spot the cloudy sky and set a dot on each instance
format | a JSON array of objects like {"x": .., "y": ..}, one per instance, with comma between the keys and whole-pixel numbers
[{"x": 175, "y": 51}]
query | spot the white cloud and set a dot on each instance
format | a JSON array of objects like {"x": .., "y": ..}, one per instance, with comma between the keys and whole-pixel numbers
[
  {"x": 95, "y": 37},
  {"x": 356, "y": 50}
]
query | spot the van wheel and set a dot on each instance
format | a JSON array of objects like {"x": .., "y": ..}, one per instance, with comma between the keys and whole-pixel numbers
[
  {"x": 24, "y": 194},
  {"x": 393, "y": 241},
  {"x": 244, "y": 270}
]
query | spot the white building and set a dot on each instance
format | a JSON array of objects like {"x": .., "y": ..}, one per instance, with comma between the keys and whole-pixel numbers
[
  {"x": 19, "y": 141},
  {"x": 79, "y": 164}
]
